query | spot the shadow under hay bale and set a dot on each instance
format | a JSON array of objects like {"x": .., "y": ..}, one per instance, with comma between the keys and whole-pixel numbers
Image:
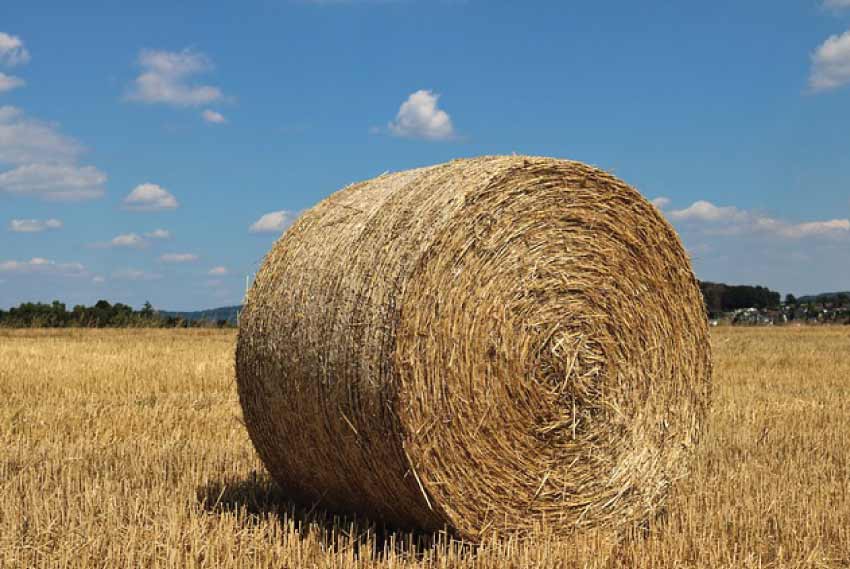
[
  {"x": 488, "y": 345},
  {"x": 259, "y": 497}
]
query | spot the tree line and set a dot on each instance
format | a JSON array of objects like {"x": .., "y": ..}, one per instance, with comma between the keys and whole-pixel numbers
[
  {"x": 101, "y": 315},
  {"x": 720, "y": 297}
]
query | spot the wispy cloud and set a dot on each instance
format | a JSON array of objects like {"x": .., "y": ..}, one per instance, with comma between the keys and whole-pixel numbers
[
  {"x": 831, "y": 63},
  {"x": 836, "y": 4},
  {"x": 420, "y": 117},
  {"x": 661, "y": 202},
  {"x": 729, "y": 220},
  {"x": 54, "y": 182},
  {"x": 9, "y": 82},
  {"x": 213, "y": 117},
  {"x": 25, "y": 140},
  {"x": 158, "y": 234},
  {"x": 132, "y": 240},
  {"x": 273, "y": 222},
  {"x": 135, "y": 275},
  {"x": 218, "y": 271},
  {"x": 44, "y": 161},
  {"x": 167, "y": 78},
  {"x": 178, "y": 258},
  {"x": 42, "y": 266},
  {"x": 12, "y": 50},
  {"x": 33, "y": 225},
  {"x": 150, "y": 197}
]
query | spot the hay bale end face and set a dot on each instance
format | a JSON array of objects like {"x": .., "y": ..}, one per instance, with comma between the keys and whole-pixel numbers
[{"x": 486, "y": 345}]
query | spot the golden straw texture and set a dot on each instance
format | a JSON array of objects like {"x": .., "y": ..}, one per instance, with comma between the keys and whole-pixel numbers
[{"x": 486, "y": 345}]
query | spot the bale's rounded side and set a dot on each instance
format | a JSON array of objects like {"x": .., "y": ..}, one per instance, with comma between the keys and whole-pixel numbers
[{"x": 487, "y": 345}]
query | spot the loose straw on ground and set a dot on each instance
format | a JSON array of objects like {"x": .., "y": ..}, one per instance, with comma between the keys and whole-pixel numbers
[{"x": 485, "y": 345}]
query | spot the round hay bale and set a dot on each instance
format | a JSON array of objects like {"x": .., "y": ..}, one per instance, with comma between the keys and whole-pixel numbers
[{"x": 486, "y": 345}]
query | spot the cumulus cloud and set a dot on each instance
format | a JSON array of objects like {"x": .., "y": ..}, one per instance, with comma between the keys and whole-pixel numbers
[
  {"x": 12, "y": 50},
  {"x": 167, "y": 78},
  {"x": 42, "y": 266},
  {"x": 273, "y": 222},
  {"x": 420, "y": 117},
  {"x": 128, "y": 240},
  {"x": 159, "y": 234},
  {"x": 178, "y": 258},
  {"x": 831, "y": 63},
  {"x": 706, "y": 211},
  {"x": 213, "y": 117},
  {"x": 9, "y": 82},
  {"x": 33, "y": 225},
  {"x": 218, "y": 271},
  {"x": 661, "y": 202},
  {"x": 150, "y": 197},
  {"x": 730, "y": 220}
]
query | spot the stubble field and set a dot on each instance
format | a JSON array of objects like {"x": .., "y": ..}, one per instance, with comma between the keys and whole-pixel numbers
[{"x": 126, "y": 449}]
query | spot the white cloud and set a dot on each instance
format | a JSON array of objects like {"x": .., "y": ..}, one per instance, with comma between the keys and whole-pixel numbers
[
  {"x": 44, "y": 160},
  {"x": 128, "y": 240},
  {"x": 829, "y": 228},
  {"x": 42, "y": 266},
  {"x": 831, "y": 63},
  {"x": 419, "y": 117},
  {"x": 213, "y": 117},
  {"x": 150, "y": 197},
  {"x": 273, "y": 222},
  {"x": 12, "y": 50},
  {"x": 54, "y": 182},
  {"x": 707, "y": 211},
  {"x": 178, "y": 258},
  {"x": 661, "y": 202},
  {"x": 98, "y": 279},
  {"x": 730, "y": 220},
  {"x": 166, "y": 78},
  {"x": 33, "y": 225},
  {"x": 9, "y": 82},
  {"x": 218, "y": 271},
  {"x": 135, "y": 275},
  {"x": 24, "y": 140},
  {"x": 159, "y": 234},
  {"x": 125, "y": 241}
]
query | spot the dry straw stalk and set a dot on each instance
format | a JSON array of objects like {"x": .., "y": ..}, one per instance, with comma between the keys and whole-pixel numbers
[{"x": 486, "y": 345}]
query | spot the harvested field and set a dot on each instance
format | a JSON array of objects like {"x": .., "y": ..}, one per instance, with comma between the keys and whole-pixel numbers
[{"x": 126, "y": 449}]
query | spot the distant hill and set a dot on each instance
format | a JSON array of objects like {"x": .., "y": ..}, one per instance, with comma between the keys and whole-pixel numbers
[
  {"x": 824, "y": 296},
  {"x": 228, "y": 313}
]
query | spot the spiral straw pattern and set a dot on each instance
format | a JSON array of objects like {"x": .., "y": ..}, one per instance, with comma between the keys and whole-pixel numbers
[{"x": 486, "y": 345}]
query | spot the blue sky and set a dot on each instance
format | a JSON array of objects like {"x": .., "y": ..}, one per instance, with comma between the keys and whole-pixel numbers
[{"x": 155, "y": 151}]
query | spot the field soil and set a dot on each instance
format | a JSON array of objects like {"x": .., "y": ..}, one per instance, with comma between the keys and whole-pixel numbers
[{"x": 125, "y": 448}]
